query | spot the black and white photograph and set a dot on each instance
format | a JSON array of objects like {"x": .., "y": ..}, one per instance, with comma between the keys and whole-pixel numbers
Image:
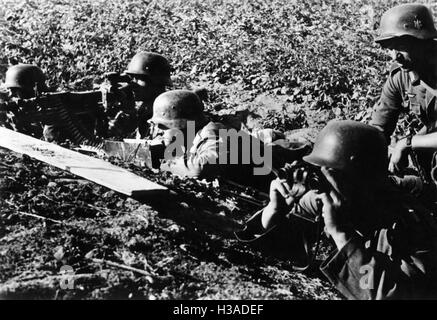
[{"x": 247, "y": 152}]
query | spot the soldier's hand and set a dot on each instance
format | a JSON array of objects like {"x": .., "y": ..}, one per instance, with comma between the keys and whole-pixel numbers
[
  {"x": 287, "y": 187},
  {"x": 399, "y": 157},
  {"x": 283, "y": 196},
  {"x": 281, "y": 193},
  {"x": 335, "y": 213},
  {"x": 169, "y": 136},
  {"x": 280, "y": 200}
]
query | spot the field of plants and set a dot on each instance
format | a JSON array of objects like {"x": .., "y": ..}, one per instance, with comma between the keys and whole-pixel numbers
[{"x": 287, "y": 65}]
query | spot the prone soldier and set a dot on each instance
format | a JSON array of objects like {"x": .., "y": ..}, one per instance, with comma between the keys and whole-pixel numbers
[
  {"x": 119, "y": 109},
  {"x": 31, "y": 109},
  {"x": 128, "y": 97},
  {"x": 150, "y": 73},
  {"x": 24, "y": 81},
  {"x": 195, "y": 147}
]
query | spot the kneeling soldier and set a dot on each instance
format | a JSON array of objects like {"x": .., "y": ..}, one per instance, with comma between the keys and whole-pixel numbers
[{"x": 408, "y": 31}]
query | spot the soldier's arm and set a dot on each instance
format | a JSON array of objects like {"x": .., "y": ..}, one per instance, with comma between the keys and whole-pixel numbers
[
  {"x": 386, "y": 111},
  {"x": 420, "y": 141},
  {"x": 263, "y": 223},
  {"x": 201, "y": 161},
  {"x": 424, "y": 141},
  {"x": 287, "y": 237}
]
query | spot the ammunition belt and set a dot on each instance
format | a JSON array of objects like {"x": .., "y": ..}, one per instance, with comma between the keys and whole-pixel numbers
[{"x": 74, "y": 129}]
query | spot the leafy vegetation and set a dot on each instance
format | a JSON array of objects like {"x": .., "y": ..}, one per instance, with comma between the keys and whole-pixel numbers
[
  {"x": 283, "y": 64},
  {"x": 319, "y": 53}
]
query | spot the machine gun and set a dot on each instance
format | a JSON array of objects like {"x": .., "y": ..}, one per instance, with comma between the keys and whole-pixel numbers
[
  {"x": 115, "y": 88},
  {"x": 68, "y": 107},
  {"x": 42, "y": 108}
]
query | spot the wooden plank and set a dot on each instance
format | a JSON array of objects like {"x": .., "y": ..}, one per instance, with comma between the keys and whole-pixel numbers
[{"x": 93, "y": 169}]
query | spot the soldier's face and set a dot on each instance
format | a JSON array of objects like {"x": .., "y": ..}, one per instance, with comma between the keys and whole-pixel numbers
[
  {"x": 20, "y": 93},
  {"x": 156, "y": 130},
  {"x": 408, "y": 52},
  {"x": 144, "y": 89}
]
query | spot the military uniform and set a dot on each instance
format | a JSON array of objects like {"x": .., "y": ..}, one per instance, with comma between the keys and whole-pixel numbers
[
  {"x": 408, "y": 30},
  {"x": 202, "y": 159},
  {"x": 214, "y": 149},
  {"x": 144, "y": 113},
  {"x": 122, "y": 120},
  {"x": 31, "y": 128},
  {"x": 403, "y": 91},
  {"x": 26, "y": 80},
  {"x": 396, "y": 258},
  {"x": 26, "y": 125},
  {"x": 153, "y": 70}
]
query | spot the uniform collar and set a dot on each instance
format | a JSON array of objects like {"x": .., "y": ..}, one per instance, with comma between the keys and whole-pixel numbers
[{"x": 412, "y": 75}]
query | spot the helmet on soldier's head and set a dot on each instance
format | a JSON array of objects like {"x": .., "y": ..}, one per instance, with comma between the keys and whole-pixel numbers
[
  {"x": 25, "y": 76},
  {"x": 413, "y": 20},
  {"x": 352, "y": 147},
  {"x": 153, "y": 65},
  {"x": 172, "y": 109}
]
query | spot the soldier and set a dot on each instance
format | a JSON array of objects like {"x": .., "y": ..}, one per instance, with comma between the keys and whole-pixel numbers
[
  {"x": 199, "y": 148},
  {"x": 150, "y": 74},
  {"x": 408, "y": 31},
  {"x": 386, "y": 243},
  {"x": 35, "y": 117},
  {"x": 24, "y": 81},
  {"x": 129, "y": 100},
  {"x": 172, "y": 112}
]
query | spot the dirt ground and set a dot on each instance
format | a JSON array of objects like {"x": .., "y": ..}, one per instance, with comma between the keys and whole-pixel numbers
[
  {"x": 54, "y": 224},
  {"x": 52, "y": 221}
]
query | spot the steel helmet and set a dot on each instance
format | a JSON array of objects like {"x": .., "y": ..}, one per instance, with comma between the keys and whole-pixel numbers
[
  {"x": 25, "y": 76},
  {"x": 174, "y": 108},
  {"x": 350, "y": 146},
  {"x": 153, "y": 65},
  {"x": 413, "y": 20}
]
